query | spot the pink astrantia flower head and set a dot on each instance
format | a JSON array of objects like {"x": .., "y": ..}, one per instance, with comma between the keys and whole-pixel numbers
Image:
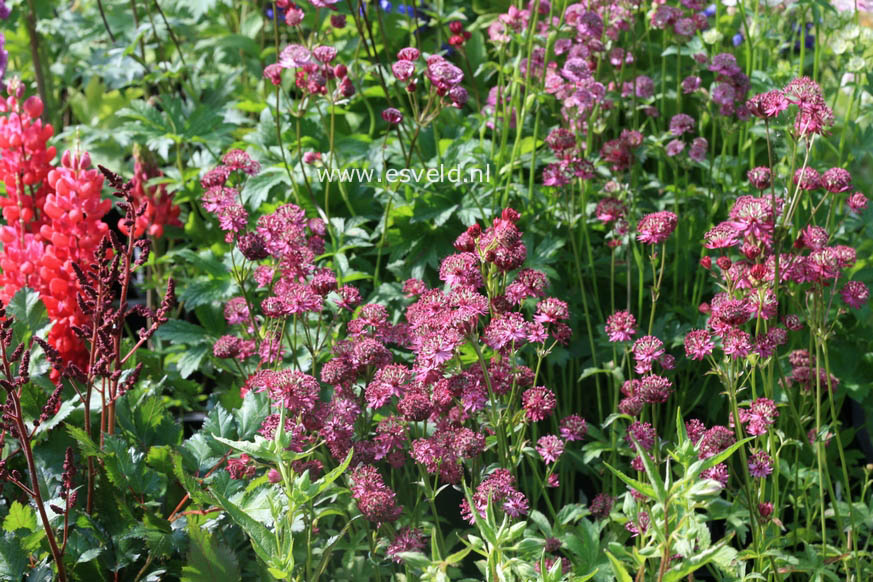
[
  {"x": 573, "y": 427},
  {"x": 857, "y": 202},
  {"x": 856, "y": 294},
  {"x": 538, "y": 403},
  {"x": 621, "y": 326},
  {"x": 550, "y": 448},
  {"x": 656, "y": 227},
  {"x": 760, "y": 465}
]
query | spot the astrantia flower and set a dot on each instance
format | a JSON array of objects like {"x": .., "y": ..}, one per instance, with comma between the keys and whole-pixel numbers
[
  {"x": 736, "y": 343},
  {"x": 721, "y": 236},
  {"x": 714, "y": 441},
  {"x": 760, "y": 465},
  {"x": 601, "y": 506},
  {"x": 559, "y": 140},
  {"x": 698, "y": 344},
  {"x": 236, "y": 311},
  {"x": 807, "y": 178},
  {"x": 376, "y": 501},
  {"x": 836, "y": 180},
  {"x": 759, "y": 177},
  {"x": 768, "y": 105},
  {"x": 646, "y": 350},
  {"x": 609, "y": 210},
  {"x": 392, "y": 116},
  {"x": 641, "y": 525},
  {"x": 690, "y": 84},
  {"x": 550, "y": 448},
  {"x": 855, "y": 294},
  {"x": 643, "y": 433},
  {"x": 528, "y": 283},
  {"x": 759, "y": 416},
  {"x": 654, "y": 389},
  {"x": 406, "y": 540},
  {"x": 505, "y": 330},
  {"x": 498, "y": 488},
  {"x": 699, "y": 147},
  {"x": 538, "y": 403},
  {"x": 857, "y": 202},
  {"x": 656, "y": 227},
  {"x": 573, "y": 427},
  {"x": 675, "y": 147},
  {"x": 719, "y": 474},
  {"x": 681, "y": 123}
]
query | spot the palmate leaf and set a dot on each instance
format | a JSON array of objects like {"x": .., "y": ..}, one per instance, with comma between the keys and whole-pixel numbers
[
  {"x": 209, "y": 560},
  {"x": 263, "y": 542}
]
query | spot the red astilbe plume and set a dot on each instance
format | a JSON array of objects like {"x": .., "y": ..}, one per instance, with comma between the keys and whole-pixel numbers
[{"x": 160, "y": 209}]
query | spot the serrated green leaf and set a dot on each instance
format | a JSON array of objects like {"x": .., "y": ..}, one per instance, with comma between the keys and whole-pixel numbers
[
  {"x": 250, "y": 416},
  {"x": 20, "y": 517},
  {"x": 183, "y": 332},
  {"x": 13, "y": 561},
  {"x": 209, "y": 560}
]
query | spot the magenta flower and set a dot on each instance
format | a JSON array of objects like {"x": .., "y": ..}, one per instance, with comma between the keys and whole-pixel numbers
[
  {"x": 857, "y": 203},
  {"x": 392, "y": 116},
  {"x": 656, "y": 227},
  {"x": 759, "y": 416},
  {"x": 698, "y": 344},
  {"x": 550, "y": 448},
  {"x": 760, "y": 465},
  {"x": 646, "y": 350},
  {"x": 573, "y": 427},
  {"x": 855, "y": 294},
  {"x": 406, "y": 540},
  {"x": 538, "y": 403}
]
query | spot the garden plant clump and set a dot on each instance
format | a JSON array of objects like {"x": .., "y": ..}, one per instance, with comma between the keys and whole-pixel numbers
[{"x": 441, "y": 291}]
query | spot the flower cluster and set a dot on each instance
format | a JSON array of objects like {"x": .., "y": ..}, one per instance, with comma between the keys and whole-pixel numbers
[
  {"x": 497, "y": 489},
  {"x": 315, "y": 73},
  {"x": 376, "y": 501},
  {"x": 53, "y": 220},
  {"x": 159, "y": 210}
]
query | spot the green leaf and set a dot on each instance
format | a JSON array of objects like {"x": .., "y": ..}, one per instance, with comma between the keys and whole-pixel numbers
[
  {"x": 13, "y": 561},
  {"x": 643, "y": 488},
  {"x": 219, "y": 423},
  {"x": 183, "y": 332},
  {"x": 262, "y": 540},
  {"x": 619, "y": 569},
  {"x": 722, "y": 456},
  {"x": 260, "y": 448},
  {"x": 189, "y": 361},
  {"x": 208, "y": 559},
  {"x": 30, "y": 317},
  {"x": 148, "y": 421},
  {"x": 334, "y": 474},
  {"x": 258, "y": 188},
  {"x": 204, "y": 291},
  {"x": 20, "y": 517},
  {"x": 251, "y": 414}
]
